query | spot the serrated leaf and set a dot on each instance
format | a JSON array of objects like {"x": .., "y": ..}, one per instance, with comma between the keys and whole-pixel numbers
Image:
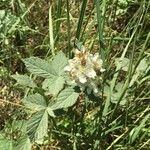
[
  {"x": 50, "y": 112},
  {"x": 5, "y": 144},
  {"x": 65, "y": 99},
  {"x": 35, "y": 102},
  {"x": 39, "y": 67},
  {"x": 37, "y": 126},
  {"x": 24, "y": 80},
  {"x": 53, "y": 85},
  {"x": 59, "y": 62},
  {"x": 142, "y": 65},
  {"x": 24, "y": 144},
  {"x": 19, "y": 125},
  {"x": 124, "y": 63},
  {"x": 114, "y": 96}
]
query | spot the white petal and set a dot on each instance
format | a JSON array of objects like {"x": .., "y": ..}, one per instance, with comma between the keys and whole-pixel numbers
[
  {"x": 82, "y": 79},
  {"x": 67, "y": 68},
  {"x": 95, "y": 90},
  {"x": 83, "y": 49},
  {"x": 95, "y": 57},
  {"x": 72, "y": 62},
  {"x": 91, "y": 73},
  {"x": 98, "y": 64},
  {"x": 102, "y": 70},
  {"x": 76, "y": 51},
  {"x": 100, "y": 61}
]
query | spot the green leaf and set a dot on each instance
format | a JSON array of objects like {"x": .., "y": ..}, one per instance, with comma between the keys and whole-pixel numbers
[
  {"x": 24, "y": 144},
  {"x": 35, "y": 102},
  {"x": 39, "y": 67},
  {"x": 50, "y": 112},
  {"x": 37, "y": 126},
  {"x": 2, "y": 14},
  {"x": 19, "y": 125},
  {"x": 59, "y": 62},
  {"x": 134, "y": 78},
  {"x": 123, "y": 63},
  {"x": 142, "y": 65},
  {"x": 21, "y": 143},
  {"x": 65, "y": 99},
  {"x": 114, "y": 95},
  {"x": 53, "y": 85},
  {"x": 5, "y": 144},
  {"x": 24, "y": 80}
]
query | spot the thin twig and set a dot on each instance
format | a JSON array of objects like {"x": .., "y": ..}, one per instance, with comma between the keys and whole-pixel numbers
[{"x": 6, "y": 101}]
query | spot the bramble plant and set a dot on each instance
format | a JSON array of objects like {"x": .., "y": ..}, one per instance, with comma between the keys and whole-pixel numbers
[
  {"x": 58, "y": 90},
  {"x": 74, "y": 75},
  {"x": 63, "y": 81}
]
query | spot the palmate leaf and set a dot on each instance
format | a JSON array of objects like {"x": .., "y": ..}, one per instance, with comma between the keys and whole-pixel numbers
[
  {"x": 59, "y": 62},
  {"x": 23, "y": 144},
  {"x": 19, "y": 125},
  {"x": 65, "y": 99},
  {"x": 24, "y": 80},
  {"x": 35, "y": 102},
  {"x": 37, "y": 126},
  {"x": 53, "y": 85},
  {"x": 9, "y": 144},
  {"x": 39, "y": 67},
  {"x": 42, "y": 68}
]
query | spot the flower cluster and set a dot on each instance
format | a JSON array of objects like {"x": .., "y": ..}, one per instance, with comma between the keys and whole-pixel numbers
[{"x": 83, "y": 69}]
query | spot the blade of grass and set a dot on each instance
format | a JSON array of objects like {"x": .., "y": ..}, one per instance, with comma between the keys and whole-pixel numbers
[
  {"x": 117, "y": 139},
  {"x": 58, "y": 16},
  {"x": 68, "y": 28},
  {"x": 80, "y": 21},
  {"x": 51, "y": 37},
  {"x": 146, "y": 143},
  {"x": 100, "y": 21},
  {"x": 86, "y": 23}
]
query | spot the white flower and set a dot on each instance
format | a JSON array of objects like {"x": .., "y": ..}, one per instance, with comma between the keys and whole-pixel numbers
[{"x": 83, "y": 69}]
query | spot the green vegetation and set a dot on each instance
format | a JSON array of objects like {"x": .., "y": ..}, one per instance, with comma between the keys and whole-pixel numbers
[{"x": 57, "y": 93}]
